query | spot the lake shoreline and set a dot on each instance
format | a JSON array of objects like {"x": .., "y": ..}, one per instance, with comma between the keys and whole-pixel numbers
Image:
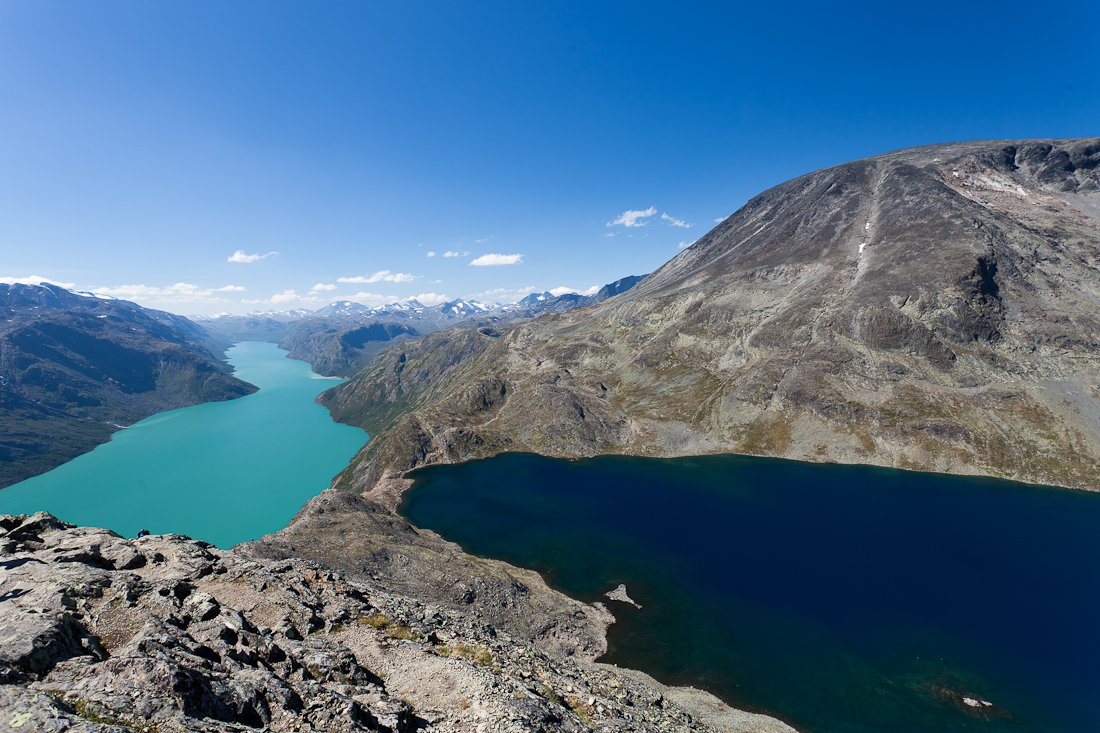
[
  {"x": 310, "y": 535},
  {"x": 358, "y": 536},
  {"x": 944, "y": 685},
  {"x": 368, "y": 536},
  {"x": 390, "y": 491},
  {"x": 616, "y": 593},
  {"x": 400, "y": 664}
]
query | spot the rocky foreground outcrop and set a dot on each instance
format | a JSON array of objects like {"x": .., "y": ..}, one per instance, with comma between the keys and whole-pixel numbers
[
  {"x": 932, "y": 309},
  {"x": 163, "y": 634},
  {"x": 361, "y": 536}
]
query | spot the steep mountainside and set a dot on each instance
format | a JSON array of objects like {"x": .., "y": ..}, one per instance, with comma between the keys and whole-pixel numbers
[
  {"x": 936, "y": 308},
  {"x": 337, "y": 350},
  {"x": 73, "y": 369}
]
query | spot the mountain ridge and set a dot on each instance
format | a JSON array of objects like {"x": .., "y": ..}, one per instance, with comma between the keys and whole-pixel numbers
[
  {"x": 164, "y": 633},
  {"x": 931, "y": 308}
]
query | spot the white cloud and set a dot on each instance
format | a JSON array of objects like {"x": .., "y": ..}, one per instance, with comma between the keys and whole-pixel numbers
[
  {"x": 436, "y": 282},
  {"x": 630, "y": 217},
  {"x": 685, "y": 245},
  {"x": 285, "y": 298},
  {"x": 429, "y": 298},
  {"x": 322, "y": 286},
  {"x": 495, "y": 259},
  {"x": 130, "y": 292},
  {"x": 178, "y": 293},
  {"x": 372, "y": 299},
  {"x": 720, "y": 219},
  {"x": 456, "y": 254},
  {"x": 240, "y": 256},
  {"x": 676, "y": 222},
  {"x": 431, "y": 254},
  {"x": 380, "y": 276},
  {"x": 507, "y": 294},
  {"x": 35, "y": 280},
  {"x": 563, "y": 290},
  {"x": 611, "y": 234},
  {"x": 483, "y": 241}
]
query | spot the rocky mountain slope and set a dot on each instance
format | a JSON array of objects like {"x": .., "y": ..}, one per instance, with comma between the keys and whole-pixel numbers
[
  {"x": 164, "y": 634},
  {"x": 933, "y": 309},
  {"x": 343, "y": 337},
  {"x": 75, "y": 368},
  {"x": 340, "y": 349}
]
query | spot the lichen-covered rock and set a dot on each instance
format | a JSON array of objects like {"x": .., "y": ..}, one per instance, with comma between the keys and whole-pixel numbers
[
  {"x": 29, "y": 711},
  {"x": 31, "y": 643}
]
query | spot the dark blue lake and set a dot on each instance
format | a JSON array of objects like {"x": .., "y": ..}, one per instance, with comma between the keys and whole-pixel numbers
[{"x": 838, "y": 598}]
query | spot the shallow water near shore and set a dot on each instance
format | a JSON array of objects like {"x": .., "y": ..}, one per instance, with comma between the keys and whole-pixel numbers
[
  {"x": 223, "y": 472},
  {"x": 838, "y": 598}
]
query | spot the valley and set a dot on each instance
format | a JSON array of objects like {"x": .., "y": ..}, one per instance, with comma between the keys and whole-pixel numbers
[{"x": 76, "y": 368}]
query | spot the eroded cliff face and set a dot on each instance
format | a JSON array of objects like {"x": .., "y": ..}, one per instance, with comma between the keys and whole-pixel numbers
[{"x": 931, "y": 309}]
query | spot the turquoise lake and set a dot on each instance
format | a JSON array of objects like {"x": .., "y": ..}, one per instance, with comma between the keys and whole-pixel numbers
[
  {"x": 223, "y": 472},
  {"x": 842, "y": 599}
]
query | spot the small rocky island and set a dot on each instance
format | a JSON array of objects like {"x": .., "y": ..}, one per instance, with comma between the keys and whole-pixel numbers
[{"x": 167, "y": 634}]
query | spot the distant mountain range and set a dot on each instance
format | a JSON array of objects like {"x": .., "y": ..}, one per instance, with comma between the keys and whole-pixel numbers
[
  {"x": 431, "y": 318},
  {"x": 335, "y": 343},
  {"x": 74, "y": 368}
]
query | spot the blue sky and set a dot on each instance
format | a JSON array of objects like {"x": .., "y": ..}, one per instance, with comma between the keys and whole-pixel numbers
[{"x": 143, "y": 144}]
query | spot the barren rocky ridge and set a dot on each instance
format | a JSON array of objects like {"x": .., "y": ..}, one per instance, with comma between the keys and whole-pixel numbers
[{"x": 162, "y": 634}]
